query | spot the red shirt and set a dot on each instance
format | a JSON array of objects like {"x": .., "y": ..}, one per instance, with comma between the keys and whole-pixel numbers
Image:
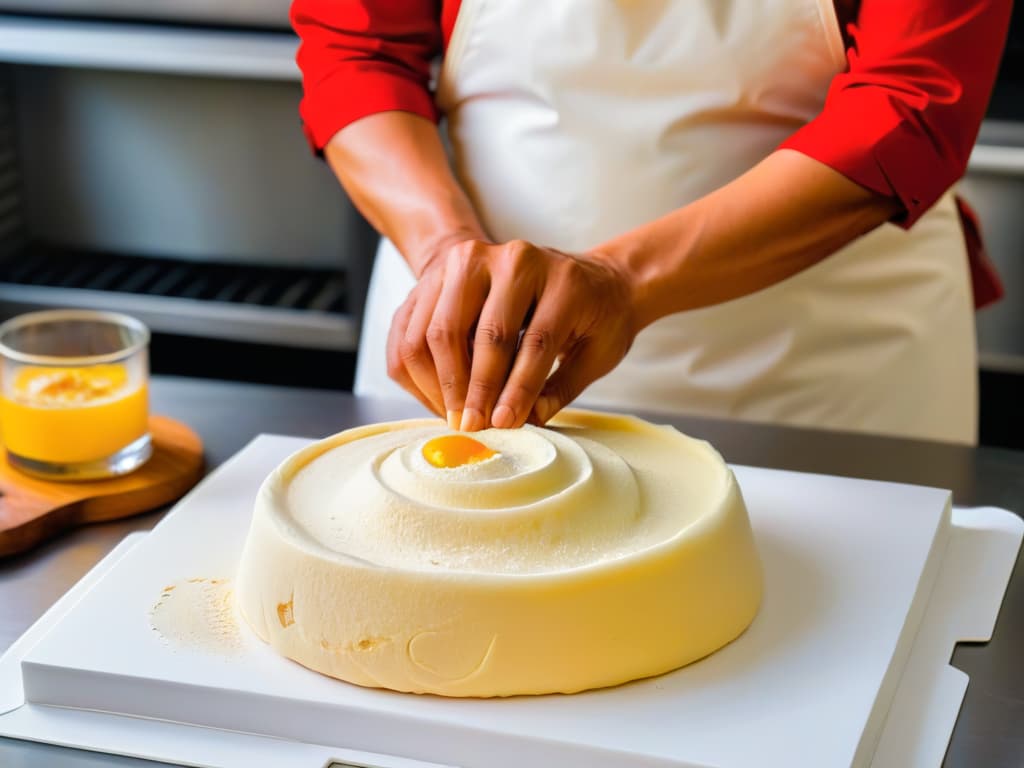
[{"x": 900, "y": 121}]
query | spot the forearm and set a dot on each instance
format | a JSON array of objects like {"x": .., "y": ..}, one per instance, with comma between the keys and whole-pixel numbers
[
  {"x": 781, "y": 217},
  {"x": 394, "y": 168}
]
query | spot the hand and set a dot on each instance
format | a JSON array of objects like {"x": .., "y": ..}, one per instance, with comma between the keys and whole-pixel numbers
[{"x": 480, "y": 333}]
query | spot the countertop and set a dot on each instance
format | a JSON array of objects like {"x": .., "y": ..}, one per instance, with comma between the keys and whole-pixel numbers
[{"x": 988, "y": 734}]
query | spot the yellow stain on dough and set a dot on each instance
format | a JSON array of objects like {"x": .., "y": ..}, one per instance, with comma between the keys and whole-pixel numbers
[
  {"x": 450, "y": 451},
  {"x": 285, "y": 613}
]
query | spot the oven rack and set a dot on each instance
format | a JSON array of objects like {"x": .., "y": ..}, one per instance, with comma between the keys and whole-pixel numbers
[{"x": 287, "y": 306}]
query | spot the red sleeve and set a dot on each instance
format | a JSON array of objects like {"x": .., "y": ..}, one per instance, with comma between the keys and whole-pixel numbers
[
  {"x": 360, "y": 57},
  {"x": 903, "y": 118}
]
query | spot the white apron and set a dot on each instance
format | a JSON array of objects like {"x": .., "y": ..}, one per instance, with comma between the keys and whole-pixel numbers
[{"x": 574, "y": 121}]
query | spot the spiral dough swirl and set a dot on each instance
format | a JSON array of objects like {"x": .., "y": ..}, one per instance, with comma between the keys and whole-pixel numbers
[{"x": 544, "y": 502}]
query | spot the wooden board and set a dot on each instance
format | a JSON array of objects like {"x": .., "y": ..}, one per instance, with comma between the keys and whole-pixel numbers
[{"x": 33, "y": 511}]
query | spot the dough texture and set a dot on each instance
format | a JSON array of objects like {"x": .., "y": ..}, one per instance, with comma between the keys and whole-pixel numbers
[{"x": 597, "y": 551}]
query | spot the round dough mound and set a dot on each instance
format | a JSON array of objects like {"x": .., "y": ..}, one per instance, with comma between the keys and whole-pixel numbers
[{"x": 595, "y": 552}]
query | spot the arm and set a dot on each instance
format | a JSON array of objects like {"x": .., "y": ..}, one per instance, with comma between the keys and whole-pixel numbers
[
  {"x": 362, "y": 57},
  {"x": 781, "y": 217},
  {"x": 368, "y": 108},
  {"x": 395, "y": 169},
  {"x": 902, "y": 120}
]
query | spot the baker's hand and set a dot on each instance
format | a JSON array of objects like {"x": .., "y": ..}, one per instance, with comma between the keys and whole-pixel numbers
[{"x": 479, "y": 334}]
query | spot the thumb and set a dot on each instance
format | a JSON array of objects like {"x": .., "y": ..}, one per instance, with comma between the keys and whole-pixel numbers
[{"x": 581, "y": 365}]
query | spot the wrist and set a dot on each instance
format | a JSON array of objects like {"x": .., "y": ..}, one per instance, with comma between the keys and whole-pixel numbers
[
  {"x": 434, "y": 246},
  {"x": 658, "y": 259},
  {"x": 611, "y": 260},
  {"x": 624, "y": 256}
]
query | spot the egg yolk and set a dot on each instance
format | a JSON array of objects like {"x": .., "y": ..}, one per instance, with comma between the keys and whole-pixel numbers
[{"x": 450, "y": 451}]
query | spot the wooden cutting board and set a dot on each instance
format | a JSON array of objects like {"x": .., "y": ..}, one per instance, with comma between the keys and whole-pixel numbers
[{"x": 33, "y": 511}]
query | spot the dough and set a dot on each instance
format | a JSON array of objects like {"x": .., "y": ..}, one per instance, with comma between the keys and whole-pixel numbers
[{"x": 532, "y": 561}]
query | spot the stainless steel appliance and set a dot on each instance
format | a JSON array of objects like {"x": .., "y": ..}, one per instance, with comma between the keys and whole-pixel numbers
[
  {"x": 995, "y": 187},
  {"x": 158, "y": 168}
]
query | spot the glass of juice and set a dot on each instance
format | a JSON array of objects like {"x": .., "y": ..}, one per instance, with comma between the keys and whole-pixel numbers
[{"x": 74, "y": 394}]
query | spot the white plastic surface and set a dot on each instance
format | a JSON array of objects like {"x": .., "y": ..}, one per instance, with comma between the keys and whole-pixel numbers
[
  {"x": 843, "y": 560},
  {"x": 964, "y": 606}
]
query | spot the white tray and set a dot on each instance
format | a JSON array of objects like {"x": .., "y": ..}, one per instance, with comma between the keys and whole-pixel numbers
[{"x": 851, "y": 567}]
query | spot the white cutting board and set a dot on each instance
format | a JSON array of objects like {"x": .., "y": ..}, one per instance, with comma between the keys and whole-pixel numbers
[{"x": 849, "y": 566}]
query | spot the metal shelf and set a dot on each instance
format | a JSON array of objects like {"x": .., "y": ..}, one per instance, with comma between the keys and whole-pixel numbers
[
  {"x": 305, "y": 308},
  {"x": 190, "y": 317},
  {"x": 998, "y": 160},
  {"x": 264, "y": 14},
  {"x": 148, "y": 48},
  {"x": 1000, "y": 149}
]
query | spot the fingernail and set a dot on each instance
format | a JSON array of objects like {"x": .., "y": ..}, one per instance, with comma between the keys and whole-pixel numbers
[
  {"x": 454, "y": 419},
  {"x": 544, "y": 407},
  {"x": 472, "y": 420},
  {"x": 503, "y": 417}
]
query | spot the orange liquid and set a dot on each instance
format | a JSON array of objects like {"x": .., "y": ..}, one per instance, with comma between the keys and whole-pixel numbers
[{"x": 72, "y": 415}]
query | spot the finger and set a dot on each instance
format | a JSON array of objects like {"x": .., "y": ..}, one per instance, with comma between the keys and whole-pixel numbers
[
  {"x": 399, "y": 322},
  {"x": 580, "y": 367},
  {"x": 539, "y": 347},
  {"x": 396, "y": 369},
  {"x": 458, "y": 307},
  {"x": 494, "y": 344},
  {"x": 413, "y": 350}
]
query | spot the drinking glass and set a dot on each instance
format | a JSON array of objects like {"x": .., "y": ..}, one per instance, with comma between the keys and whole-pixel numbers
[{"x": 74, "y": 395}]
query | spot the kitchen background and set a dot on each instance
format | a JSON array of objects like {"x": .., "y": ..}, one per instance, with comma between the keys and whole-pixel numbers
[{"x": 151, "y": 162}]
